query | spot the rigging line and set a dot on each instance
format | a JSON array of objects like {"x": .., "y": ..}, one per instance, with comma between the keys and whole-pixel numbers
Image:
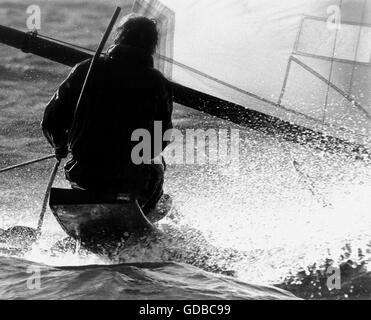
[
  {"x": 331, "y": 70},
  {"x": 306, "y": 179},
  {"x": 357, "y": 47},
  {"x": 309, "y": 182},
  {"x": 67, "y": 43},
  {"x": 345, "y": 61}
]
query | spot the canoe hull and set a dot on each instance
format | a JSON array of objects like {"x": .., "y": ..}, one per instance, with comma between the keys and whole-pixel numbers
[{"x": 95, "y": 217}]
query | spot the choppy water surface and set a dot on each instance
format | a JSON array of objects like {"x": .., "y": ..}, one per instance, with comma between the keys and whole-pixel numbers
[{"x": 268, "y": 222}]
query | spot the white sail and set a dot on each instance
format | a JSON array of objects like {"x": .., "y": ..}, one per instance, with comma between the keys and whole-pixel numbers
[{"x": 304, "y": 61}]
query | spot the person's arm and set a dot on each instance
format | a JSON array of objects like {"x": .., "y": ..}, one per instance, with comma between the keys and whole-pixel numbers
[
  {"x": 162, "y": 112},
  {"x": 59, "y": 112},
  {"x": 166, "y": 111}
]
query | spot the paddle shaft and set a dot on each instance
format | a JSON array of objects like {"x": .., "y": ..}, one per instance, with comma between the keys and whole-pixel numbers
[
  {"x": 92, "y": 66},
  {"x": 46, "y": 197},
  {"x": 27, "y": 163}
]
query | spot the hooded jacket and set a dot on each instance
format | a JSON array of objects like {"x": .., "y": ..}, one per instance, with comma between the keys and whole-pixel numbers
[{"x": 125, "y": 93}]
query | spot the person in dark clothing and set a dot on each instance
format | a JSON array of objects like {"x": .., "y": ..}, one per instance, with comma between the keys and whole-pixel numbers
[{"x": 125, "y": 93}]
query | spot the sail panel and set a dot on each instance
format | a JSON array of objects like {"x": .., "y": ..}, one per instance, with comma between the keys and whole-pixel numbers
[{"x": 255, "y": 53}]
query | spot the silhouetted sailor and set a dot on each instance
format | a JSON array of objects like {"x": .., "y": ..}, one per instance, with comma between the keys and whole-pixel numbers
[{"x": 125, "y": 93}]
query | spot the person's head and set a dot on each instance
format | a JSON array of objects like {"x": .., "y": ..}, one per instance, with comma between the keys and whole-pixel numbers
[{"x": 137, "y": 31}]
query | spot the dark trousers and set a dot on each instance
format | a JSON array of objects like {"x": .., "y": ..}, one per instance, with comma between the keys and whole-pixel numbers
[{"x": 144, "y": 182}]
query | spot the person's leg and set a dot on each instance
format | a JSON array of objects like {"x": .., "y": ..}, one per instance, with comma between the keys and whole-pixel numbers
[
  {"x": 145, "y": 182},
  {"x": 150, "y": 186},
  {"x": 97, "y": 180}
]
